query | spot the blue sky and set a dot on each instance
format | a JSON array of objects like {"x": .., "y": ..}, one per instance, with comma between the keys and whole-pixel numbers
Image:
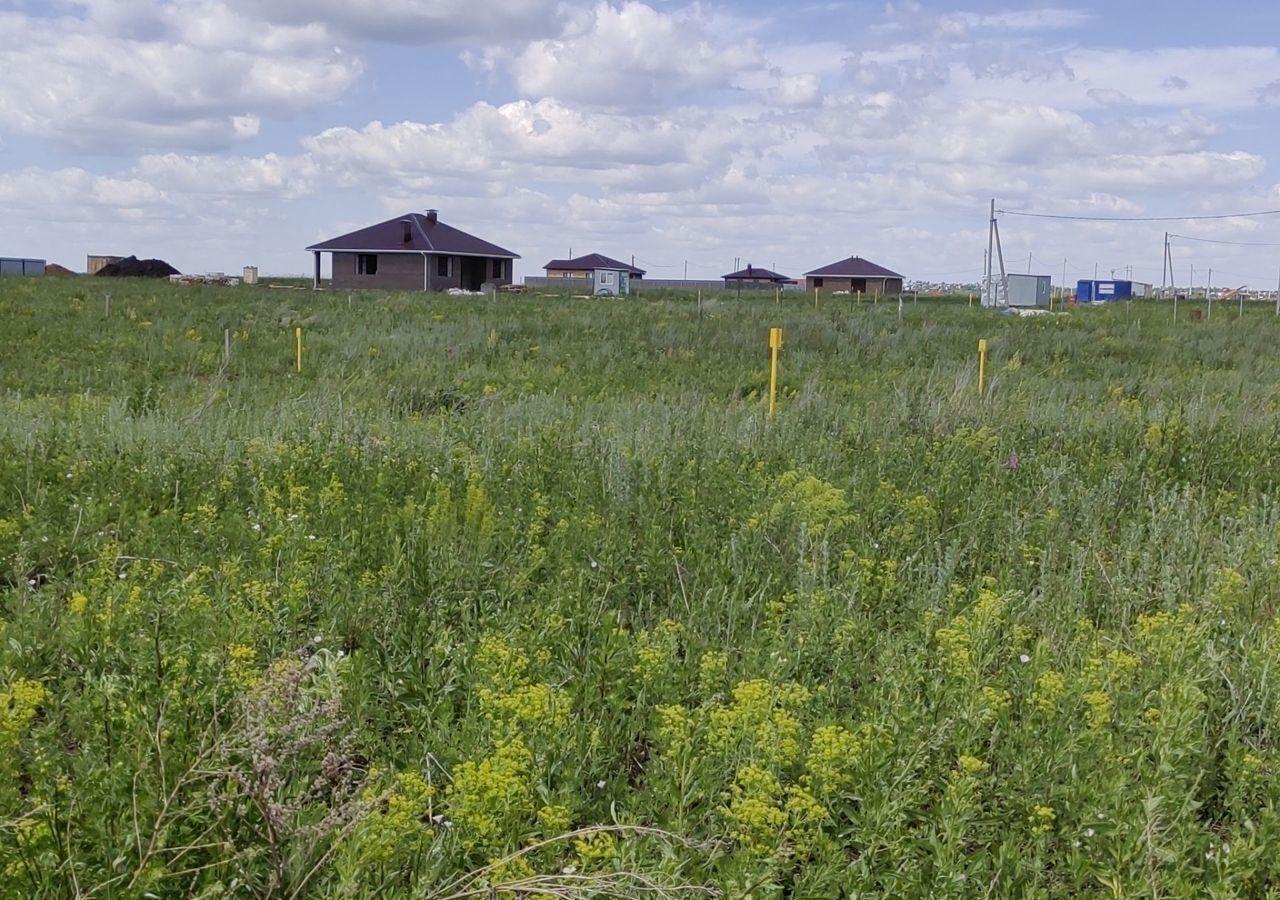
[{"x": 220, "y": 133}]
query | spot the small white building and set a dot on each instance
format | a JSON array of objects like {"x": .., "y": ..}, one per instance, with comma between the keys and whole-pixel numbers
[
  {"x": 595, "y": 272},
  {"x": 1025, "y": 291}
]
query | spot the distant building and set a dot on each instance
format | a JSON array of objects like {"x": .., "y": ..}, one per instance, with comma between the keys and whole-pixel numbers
[
  {"x": 414, "y": 252},
  {"x": 1024, "y": 291},
  {"x": 12, "y": 265},
  {"x": 95, "y": 262},
  {"x": 601, "y": 275},
  {"x": 1092, "y": 291},
  {"x": 854, "y": 275},
  {"x": 752, "y": 278}
]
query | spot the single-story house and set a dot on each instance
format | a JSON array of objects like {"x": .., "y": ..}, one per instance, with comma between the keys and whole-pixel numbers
[
  {"x": 854, "y": 275},
  {"x": 752, "y": 278},
  {"x": 414, "y": 252},
  {"x": 605, "y": 274}
]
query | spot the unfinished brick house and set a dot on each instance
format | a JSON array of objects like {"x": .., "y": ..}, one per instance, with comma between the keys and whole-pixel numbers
[{"x": 414, "y": 252}]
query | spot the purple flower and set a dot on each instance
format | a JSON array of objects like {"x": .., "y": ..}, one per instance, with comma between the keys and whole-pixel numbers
[{"x": 1013, "y": 463}]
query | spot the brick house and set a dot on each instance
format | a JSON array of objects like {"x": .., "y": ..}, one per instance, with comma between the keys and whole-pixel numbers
[
  {"x": 854, "y": 275},
  {"x": 414, "y": 252}
]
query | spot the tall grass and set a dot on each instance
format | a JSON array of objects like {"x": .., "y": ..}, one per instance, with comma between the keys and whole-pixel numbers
[{"x": 490, "y": 577}]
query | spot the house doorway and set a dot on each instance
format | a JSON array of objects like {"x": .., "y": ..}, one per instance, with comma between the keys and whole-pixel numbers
[{"x": 474, "y": 269}]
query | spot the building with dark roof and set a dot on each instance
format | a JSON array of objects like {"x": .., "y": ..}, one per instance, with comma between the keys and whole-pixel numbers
[
  {"x": 854, "y": 275},
  {"x": 754, "y": 278},
  {"x": 414, "y": 252},
  {"x": 595, "y": 272}
]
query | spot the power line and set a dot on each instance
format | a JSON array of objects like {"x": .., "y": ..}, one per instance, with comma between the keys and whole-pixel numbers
[
  {"x": 1187, "y": 237},
  {"x": 1244, "y": 215}
]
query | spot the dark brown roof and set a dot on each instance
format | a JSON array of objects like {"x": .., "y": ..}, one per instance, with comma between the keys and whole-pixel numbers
[
  {"x": 754, "y": 273},
  {"x": 854, "y": 267},
  {"x": 426, "y": 235},
  {"x": 590, "y": 261}
]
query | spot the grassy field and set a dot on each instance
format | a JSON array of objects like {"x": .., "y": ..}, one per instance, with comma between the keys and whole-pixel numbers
[{"x": 529, "y": 597}]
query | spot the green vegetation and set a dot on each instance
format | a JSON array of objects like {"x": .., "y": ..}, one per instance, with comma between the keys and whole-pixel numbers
[{"x": 490, "y": 575}]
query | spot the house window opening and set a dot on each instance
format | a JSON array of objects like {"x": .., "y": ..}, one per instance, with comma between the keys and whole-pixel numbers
[{"x": 366, "y": 264}]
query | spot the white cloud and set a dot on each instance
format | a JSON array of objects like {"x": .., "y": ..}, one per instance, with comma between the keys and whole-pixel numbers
[
  {"x": 632, "y": 56},
  {"x": 795, "y": 90},
  {"x": 416, "y": 21},
  {"x": 1109, "y": 97},
  {"x": 153, "y": 78},
  {"x": 523, "y": 140}
]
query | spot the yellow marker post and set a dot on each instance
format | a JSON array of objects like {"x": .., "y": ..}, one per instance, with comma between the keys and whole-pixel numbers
[
  {"x": 775, "y": 346},
  {"x": 815, "y": 298},
  {"x": 982, "y": 366},
  {"x": 777, "y": 295},
  {"x": 297, "y": 349}
]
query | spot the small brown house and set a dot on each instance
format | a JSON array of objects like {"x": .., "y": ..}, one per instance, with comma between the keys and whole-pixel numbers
[
  {"x": 854, "y": 275},
  {"x": 755, "y": 278},
  {"x": 415, "y": 252}
]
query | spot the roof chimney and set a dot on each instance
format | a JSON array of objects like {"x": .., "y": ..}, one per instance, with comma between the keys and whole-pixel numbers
[
  {"x": 406, "y": 231},
  {"x": 431, "y": 216}
]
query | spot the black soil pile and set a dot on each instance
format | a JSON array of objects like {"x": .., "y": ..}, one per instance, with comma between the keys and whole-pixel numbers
[{"x": 132, "y": 267}]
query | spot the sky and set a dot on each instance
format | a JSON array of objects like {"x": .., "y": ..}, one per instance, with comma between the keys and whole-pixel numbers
[{"x": 222, "y": 133}]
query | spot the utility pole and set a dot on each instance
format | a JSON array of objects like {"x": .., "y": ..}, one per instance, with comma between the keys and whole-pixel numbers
[
  {"x": 1164, "y": 265},
  {"x": 686, "y": 273},
  {"x": 1064, "y": 281},
  {"x": 1208, "y": 295},
  {"x": 991, "y": 239}
]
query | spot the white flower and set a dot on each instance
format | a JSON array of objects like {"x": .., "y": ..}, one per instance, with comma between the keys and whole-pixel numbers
[
  {"x": 316, "y": 639},
  {"x": 1088, "y": 832},
  {"x": 123, "y": 575},
  {"x": 568, "y": 870},
  {"x": 257, "y": 527},
  {"x": 1024, "y": 659},
  {"x": 1208, "y": 854},
  {"x": 69, "y": 475},
  {"x": 600, "y": 785},
  {"x": 1075, "y": 844},
  {"x": 594, "y": 564}
]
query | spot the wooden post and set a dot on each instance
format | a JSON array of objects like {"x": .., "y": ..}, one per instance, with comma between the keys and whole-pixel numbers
[
  {"x": 775, "y": 345},
  {"x": 297, "y": 349},
  {"x": 106, "y": 305},
  {"x": 982, "y": 367}
]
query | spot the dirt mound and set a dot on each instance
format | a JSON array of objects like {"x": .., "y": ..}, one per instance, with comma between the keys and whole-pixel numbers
[
  {"x": 132, "y": 267},
  {"x": 56, "y": 271}
]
